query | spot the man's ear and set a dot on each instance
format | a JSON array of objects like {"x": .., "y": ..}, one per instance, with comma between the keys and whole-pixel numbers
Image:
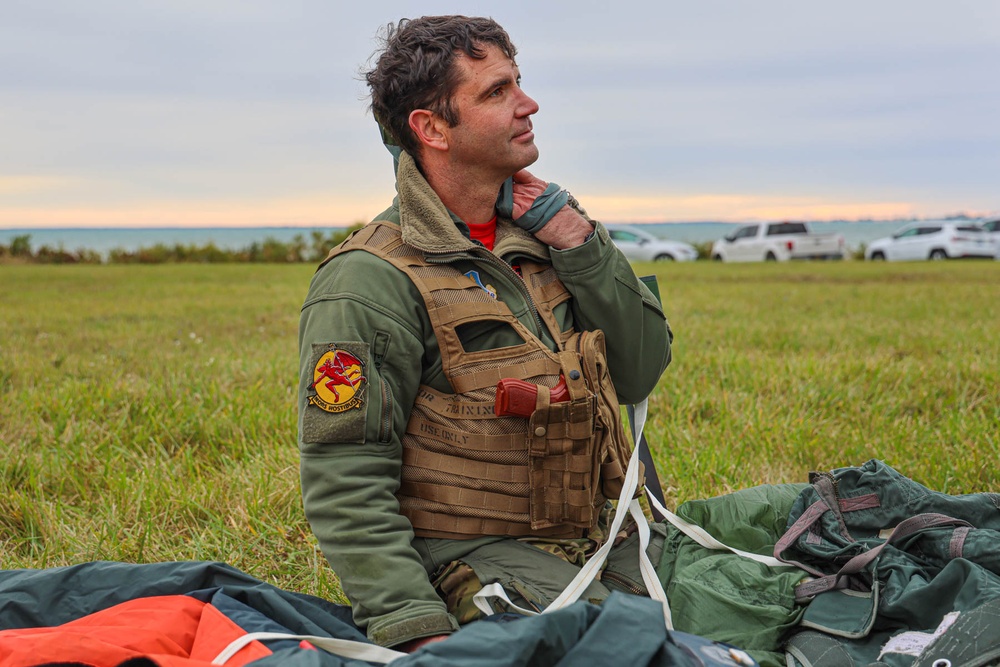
[{"x": 430, "y": 129}]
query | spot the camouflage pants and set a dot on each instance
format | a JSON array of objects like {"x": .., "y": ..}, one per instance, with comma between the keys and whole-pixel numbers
[{"x": 534, "y": 572}]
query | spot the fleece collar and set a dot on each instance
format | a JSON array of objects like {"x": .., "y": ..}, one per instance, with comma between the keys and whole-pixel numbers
[{"x": 427, "y": 224}]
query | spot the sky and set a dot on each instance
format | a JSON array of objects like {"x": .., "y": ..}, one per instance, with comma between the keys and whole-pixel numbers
[{"x": 174, "y": 113}]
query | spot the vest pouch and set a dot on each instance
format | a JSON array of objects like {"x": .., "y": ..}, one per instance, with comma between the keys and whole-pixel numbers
[{"x": 561, "y": 455}]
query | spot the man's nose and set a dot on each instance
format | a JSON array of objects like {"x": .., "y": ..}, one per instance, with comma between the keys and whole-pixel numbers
[{"x": 526, "y": 106}]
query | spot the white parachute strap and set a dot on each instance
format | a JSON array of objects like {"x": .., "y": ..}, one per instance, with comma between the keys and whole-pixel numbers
[
  {"x": 588, "y": 573},
  {"x": 482, "y": 600},
  {"x": 344, "y": 648},
  {"x": 705, "y": 539}
]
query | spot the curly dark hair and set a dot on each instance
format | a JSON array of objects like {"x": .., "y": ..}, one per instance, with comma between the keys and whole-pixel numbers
[{"x": 416, "y": 69}]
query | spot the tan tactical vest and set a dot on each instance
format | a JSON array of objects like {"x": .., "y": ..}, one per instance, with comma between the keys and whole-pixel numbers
[{"x": 468, "y": 473}]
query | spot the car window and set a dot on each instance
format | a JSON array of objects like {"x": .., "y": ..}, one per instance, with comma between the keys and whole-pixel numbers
[
  {"x": 750, "y": 230},
  {"x": 617, "y": 235},
  {"x": 905, "y": 234},
  {"x": 992, "y": 226},
  {"x": 786, "y": 228},
  {"x": 967, "y": 228}
]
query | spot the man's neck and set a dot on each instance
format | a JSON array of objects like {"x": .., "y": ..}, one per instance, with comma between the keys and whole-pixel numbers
[{"x": 470, "y": 196}]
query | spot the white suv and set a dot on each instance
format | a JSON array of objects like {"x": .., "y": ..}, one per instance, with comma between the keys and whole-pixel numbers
[
  {"x": 992, "y": 228},
  {"x": 932, "y": 240},
  {"x": 638, "y": 245}
]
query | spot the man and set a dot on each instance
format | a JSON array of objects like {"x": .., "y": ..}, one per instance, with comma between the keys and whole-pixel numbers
[{"x": 418, "y": 490}]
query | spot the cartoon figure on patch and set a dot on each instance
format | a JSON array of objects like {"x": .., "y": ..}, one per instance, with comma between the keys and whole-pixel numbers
[{"x": 339, "y": 382}]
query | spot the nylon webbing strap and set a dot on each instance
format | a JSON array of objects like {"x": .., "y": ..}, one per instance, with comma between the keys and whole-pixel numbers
[
  {"x": 705, "y": 539},
  {"x": 653, "y": 487},
  {"x": 654, "y": 494},
  {"x": 625, "y": 503},
  {"x": 805, "y": 521},
  {"x": 343, "y": 647},
  {"x": 861, "y": 562},
  {"x": 589, "y": 572}
]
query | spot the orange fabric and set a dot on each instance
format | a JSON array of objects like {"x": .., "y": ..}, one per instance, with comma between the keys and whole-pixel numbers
[{"x": 172, "y": 630}]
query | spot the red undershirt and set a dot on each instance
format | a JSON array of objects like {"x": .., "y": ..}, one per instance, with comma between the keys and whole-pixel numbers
[{"x": 485, "y": 233}]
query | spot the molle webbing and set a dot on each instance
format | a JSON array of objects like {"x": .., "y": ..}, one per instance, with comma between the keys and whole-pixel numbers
[{"x": 468, "y": 473}]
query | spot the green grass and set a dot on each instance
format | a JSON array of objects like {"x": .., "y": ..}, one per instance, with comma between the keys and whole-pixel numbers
[
  {"x": 147, "y": 413},
  {"x": 782, "y": 369}
]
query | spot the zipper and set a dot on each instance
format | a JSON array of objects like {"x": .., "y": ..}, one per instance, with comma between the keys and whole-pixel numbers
[
  {"x": 385, "y": 423},
  {"x": 518, "y": 281},
  {"x": 623, "y": 583},
  {"x": 379, "y": 347}
]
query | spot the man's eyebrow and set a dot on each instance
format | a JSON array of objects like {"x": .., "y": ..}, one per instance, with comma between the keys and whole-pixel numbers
[{"x": 497, "y": 83}]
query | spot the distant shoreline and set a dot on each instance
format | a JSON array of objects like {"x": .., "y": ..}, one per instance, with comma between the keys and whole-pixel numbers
[
  {"x": 863, "y": 221},
  {"x": 105, "y": 239}
]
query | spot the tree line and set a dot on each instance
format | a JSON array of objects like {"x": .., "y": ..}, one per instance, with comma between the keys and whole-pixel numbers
[{"x": 271, "y": 250}]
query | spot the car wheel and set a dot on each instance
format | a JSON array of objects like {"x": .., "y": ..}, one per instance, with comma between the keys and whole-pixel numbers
[
  {"x": 938, "y": 253},
  {"x": 717, "y": 257},
  {"x": 770, "y": 257},
  {"x": 663, "y": 258},
  {"x": 878, "y": 257}
]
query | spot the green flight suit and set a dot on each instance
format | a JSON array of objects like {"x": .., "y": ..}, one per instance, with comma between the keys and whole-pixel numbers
[{"x": 351, "y": 460}]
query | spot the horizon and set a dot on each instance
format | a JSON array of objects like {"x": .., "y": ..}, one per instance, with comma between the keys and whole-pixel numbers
[
  {"x": 175, "y": 227},
  {"x": 104, "y": 240}
]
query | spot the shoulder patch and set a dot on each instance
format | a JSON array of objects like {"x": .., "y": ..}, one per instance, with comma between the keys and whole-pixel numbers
[{"x": 337, "y": 398}]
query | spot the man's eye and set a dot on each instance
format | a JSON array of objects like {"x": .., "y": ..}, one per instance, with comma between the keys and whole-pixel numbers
[{"x": 497, "y": 92}]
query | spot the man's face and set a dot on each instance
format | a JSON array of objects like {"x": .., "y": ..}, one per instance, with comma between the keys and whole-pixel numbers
[{"x": 494, "y": 117}]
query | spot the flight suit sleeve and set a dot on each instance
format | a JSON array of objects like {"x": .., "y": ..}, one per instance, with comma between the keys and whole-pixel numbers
[
  {"x": 360, "y": 348},
  {"x": 607, "y": 295}
]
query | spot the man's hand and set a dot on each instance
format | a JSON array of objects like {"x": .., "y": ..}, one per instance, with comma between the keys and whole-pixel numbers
[
  {"x": 413, "y": 645},
  {"x": 566, "y": 229},
  {"x": 526, "y": 189}
]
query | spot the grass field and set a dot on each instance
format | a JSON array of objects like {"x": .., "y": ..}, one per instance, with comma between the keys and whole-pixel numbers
[{"x": 147, "y": 413}]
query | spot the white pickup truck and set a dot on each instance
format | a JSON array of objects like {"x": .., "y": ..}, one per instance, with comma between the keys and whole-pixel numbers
[{"x": 777, "y": 242}]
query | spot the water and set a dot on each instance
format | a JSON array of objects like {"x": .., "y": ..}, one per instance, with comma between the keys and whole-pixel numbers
[
  {"x": 239, "y": 238},
  {"x": 131, "y": 239}
]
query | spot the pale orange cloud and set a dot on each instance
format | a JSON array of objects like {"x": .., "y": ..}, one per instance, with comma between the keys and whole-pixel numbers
[
  {"x": 293, "y": 212},
  {"x": 29, "y": 185},
  {"x": 332, "y": 211},
  {"x": 665, "y": 208}
]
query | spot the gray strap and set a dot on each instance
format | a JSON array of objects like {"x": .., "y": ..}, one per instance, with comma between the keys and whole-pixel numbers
[
  {"x": 343, "y": 647},
  {"x": 801, "y": 525},
  {"x": 859, "y": 563}
]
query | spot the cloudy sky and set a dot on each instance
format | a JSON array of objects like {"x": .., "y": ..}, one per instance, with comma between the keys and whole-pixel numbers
[{"x": 251, "y": 112}]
